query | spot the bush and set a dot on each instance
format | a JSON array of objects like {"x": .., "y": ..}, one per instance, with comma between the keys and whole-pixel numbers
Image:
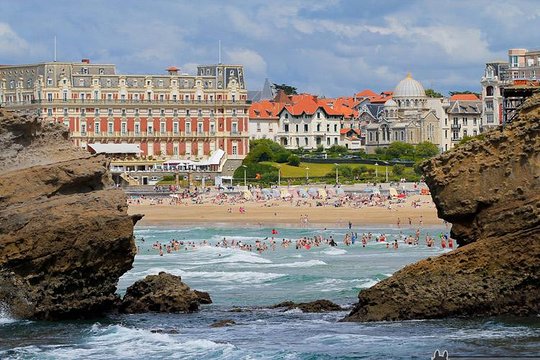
[
  {"x": 417, "y": 168},
  {"x": 282, "y": 156},
  {"x": 293, "y": 160},
  {"x": 398, "y": 169},
  {"x": 261, "y": 152}
]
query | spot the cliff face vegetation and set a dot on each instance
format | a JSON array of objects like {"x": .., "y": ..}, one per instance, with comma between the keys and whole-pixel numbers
[
  {"x": 490, "y": 191},
  {"x": 65, "y": 235}
]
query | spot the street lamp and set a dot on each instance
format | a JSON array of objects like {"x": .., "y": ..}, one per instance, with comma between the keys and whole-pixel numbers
[
  {"x": 245, "y": 182},
  {"x": 279, "y": 176},
  {"x": 376, "y": 172},
  {"x": 337, "y": 174},
  {"x": 386, "y": 170},
  {"x": 307, "y": 174}
]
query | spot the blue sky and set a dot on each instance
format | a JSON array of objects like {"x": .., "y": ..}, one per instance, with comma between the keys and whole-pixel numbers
[{"x": 326, "y": 47}]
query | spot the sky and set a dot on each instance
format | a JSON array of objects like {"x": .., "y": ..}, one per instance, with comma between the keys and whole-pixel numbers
[{"x": 325, "y": 47}]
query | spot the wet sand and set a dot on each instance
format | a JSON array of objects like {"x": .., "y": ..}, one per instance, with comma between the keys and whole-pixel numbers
[{"x": 284, "y": 213}]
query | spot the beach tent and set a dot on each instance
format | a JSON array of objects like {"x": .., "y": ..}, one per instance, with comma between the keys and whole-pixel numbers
[
  {"x": 312, "y": 192},
  {"x": 331, "y": 192},
  {"x": 340, "y": 192},
  {"x": 267, "y": 193},
  {"x": 293, "y": 192},
  {"x": 275, "y": 193},
  {"x": 322, "y": 193},
  {"x": 247, "y": 195},
  {"x": 393, "y": 192},
  {"x": 302, "y": 193},
  {"x": 285, "y": 194}
]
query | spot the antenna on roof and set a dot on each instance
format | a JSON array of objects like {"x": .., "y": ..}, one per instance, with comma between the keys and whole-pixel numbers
[
  {"x": 219, "y": 51},
  {"x": 55, "y": 48}
]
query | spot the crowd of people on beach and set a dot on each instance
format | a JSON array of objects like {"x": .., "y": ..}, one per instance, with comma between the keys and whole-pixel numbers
[{"x": 270, "y": 243}]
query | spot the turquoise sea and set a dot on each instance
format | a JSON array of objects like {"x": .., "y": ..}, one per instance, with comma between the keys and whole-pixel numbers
[{"x": 251, "y": 281}]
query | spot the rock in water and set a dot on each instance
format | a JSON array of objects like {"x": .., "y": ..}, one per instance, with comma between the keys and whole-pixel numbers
[
  {"x": 316, "y": 306},
  {"x": 490, "y": 191},
  {"x": 65, "y": 235},
  {"x": 162, "y": 293}
]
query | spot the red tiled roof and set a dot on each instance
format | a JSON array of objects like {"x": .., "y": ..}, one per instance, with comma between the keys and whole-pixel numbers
[
  {"x": 346, "y": 130},
  {"x": 265, "y": 110},
  {"x": 365, "y": 94},
  {"x": 464, "y": 97}
]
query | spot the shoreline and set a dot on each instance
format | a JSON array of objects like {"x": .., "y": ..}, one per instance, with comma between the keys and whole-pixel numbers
[{"x": 282, "y": 213}]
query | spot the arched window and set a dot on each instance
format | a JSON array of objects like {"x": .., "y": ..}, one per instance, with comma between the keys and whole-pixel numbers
[
  {"x": 416, "y": 103},
  {"x": 407, "y": 103},
  {"x": 489, "y": 91}
]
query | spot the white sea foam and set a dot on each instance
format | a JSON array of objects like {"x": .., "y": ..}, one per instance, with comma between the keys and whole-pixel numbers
[
  {"x": 334, "y": 251},
  {"x": 238, "y": 277},
  {"x": 299, "y": 264},
  {"x": 5, "y": 317}
]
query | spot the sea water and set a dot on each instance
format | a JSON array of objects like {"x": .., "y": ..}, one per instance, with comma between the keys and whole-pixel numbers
[{"x": 244, "y": 284}]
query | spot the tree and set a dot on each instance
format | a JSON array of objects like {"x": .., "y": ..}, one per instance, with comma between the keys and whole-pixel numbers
[
  {"x": 288, "y": 89},
  {"x": 463, "y": 92},
  {"x": 260, "y": 152},
  {"x": 398, "y": 169},
  {"x": 399, "y": 149},
  {"x": 426, "y": 150},
  {"x": 433, "y": 94},
  {"x": 294, "y": 160},
  {"x": 337, "y": 149}
]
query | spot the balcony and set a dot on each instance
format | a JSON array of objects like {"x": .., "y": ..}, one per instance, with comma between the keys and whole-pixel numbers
[{"x": 455, "y": 126}]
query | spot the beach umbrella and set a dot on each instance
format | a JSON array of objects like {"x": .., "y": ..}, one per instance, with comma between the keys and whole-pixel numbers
[
  {"x": 276, "y": 193},
  {"x": 284, "y": 194},
  {"x": 331, "y": 192},
  {"x": 322, "y": 193},
  {"x": 312, "y": 192},
  {"x": 293, "y": 192},
  {"x": 340, "y": 192},
  {"x": 302, "y": 193},
  {"x": 392, "y": 192},
  {"x": 247, "y": 195}
]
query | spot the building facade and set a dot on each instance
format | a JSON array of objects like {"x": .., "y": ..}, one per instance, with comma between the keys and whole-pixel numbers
[
  {"x": 408, "y": 116},
  {"x": 465, "y": 115},
  {"x": 169, "y": 116}
]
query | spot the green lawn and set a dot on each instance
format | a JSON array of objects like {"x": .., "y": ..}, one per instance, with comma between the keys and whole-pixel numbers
[{"x": 320, "y": 170}]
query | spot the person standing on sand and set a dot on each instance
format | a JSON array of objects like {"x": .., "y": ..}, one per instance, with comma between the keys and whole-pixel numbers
[{"x": 350, "y": 225}]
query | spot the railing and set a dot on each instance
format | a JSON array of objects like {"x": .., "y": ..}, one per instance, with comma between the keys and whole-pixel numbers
[
  {"x": 91, "y": 102},
  {"x": 455, "y": 126}
]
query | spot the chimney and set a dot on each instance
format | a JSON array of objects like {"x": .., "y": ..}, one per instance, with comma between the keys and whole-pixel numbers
[
  {"x": 85, "y": 61},
  {"x": 172, "y": 70}
]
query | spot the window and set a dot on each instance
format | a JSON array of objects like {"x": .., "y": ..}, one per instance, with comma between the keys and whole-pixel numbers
[
  {"x": 149, "y": 112},
  {"x": 83, "y": 129},
  {"x": 305, "y": 141},
  {"x": 84, "y": 70},
  {"x": 101, "y": 71},
  {"x": 49, "y": 97},
  {"x": 109, "y": 112},
  {"x": 137, "y": 128},
  {"x": 162, "y": 128},
  {"x": 136, "y": 112},
  {"x": 96, "y": 127},
  {"x": 296, "y": 126},
  {"x": 234, "y": 128},
  {"x": 188, "y": 127},
  {"x": 335, "y": 127},
  {"x": 489, "y": 118},
  {"x": 123, "y": 112},
  {"x": 474, "y": 122},
  {"x": 124, "y": 128},
  {"x": 96, "y": 112},
  {"x": 306, "y": 127},
  {"x": 49, "y": 112},
  {"x": 49, "y": 82},
  {"x": 464, "y": 121},
  {"x": 161, "y": 97},
  {"x": 464, "y": 132},
  {"x": 187, "y": 112},
  {"x": 109, "y": 96},
  {"x": 174, "y": 97},
  {"x": 110, "y": 127},
  {"x": 235, "y": 149},
  {"x": 475, "y": 132},
  {"x": 318, "y": 115},
  {"x": 212, "y": 128},
  {"x": 83, "y": 112},
  {"x": 150, "y": 128},
  {"x": 446, "y": 134},
  {"x": 160, "y": 83},
  {"x": 175, "y": 112},
  {"x": 489, "y": 91},
  {"x": 514, "y": 61},
  {"x": 200, "y": 127},
  {"x": 81, "y": 82},
  {"x": 286, "y": 127},
  {"x": 162, "y": 112},
  {"x": 258, "y": 127},
  {"x": 109, "y": 82},
  {"x": 199, "y": 113},
  {"x": 175, "y": 127},
  {"x": 65, "y": 112}
]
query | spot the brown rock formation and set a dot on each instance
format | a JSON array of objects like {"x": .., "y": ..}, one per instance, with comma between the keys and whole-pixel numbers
[
  {"x": 490, "y": 191},
  {"x": 316, "y": 306},
  {"x": 162, "y": 293},
  {"x": 65, "y": 235}
]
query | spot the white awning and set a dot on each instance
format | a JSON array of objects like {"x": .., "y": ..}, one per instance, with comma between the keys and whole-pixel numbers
[
  {"x": 115, "y": 148},
  {"x": 215, "y": 159}
]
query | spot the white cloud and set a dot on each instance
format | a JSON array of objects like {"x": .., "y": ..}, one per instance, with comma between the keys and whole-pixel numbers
[
  {"x": 10, "y": 42},
  {"x": 253, "y": 62}
]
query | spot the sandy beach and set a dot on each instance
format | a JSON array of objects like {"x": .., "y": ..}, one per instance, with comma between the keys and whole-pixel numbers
[{"x": 284, "y": 213}]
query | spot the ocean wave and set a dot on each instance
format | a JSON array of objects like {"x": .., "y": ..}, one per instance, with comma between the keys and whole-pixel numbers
[
  {"x": 299, "y": 264},
  {"x": 248, "y": 277},
  {"x": 5, "y": 317},
  {"x": 334, "y": 251}
]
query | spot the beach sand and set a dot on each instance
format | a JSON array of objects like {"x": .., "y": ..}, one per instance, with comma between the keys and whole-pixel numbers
[{"x": 283, "y": 213}]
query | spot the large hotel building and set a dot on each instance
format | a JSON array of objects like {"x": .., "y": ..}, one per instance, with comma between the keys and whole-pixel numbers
[{"x": 169, "y": 116}]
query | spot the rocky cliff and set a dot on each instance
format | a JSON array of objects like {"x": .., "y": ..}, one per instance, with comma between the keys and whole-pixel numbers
[
  {"x": 489, "y": 190},
  {"x": 65, "y": 235}
]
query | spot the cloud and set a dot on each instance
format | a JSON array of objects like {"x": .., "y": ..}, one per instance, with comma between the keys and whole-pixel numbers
[
  {"x": 11, "y": 43},
  {"x": 254, "y": 64}
]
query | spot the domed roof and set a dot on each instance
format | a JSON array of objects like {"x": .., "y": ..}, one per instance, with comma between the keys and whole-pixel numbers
[
  {"x": 408, "y": 88},
  {"x": 390, "y": 103}
]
